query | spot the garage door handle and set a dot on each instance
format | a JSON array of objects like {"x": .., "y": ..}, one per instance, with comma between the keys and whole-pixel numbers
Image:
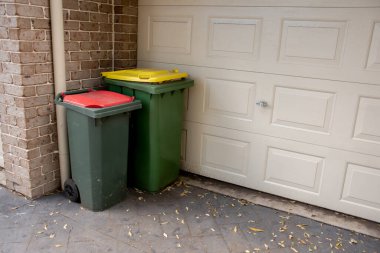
[{"x": 262, "y": 103}]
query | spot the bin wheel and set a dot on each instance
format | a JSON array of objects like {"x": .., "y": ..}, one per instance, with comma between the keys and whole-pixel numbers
[{"x": 71, "y": 191}]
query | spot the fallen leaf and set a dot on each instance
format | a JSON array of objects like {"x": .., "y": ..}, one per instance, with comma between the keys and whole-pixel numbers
[
  {"x": 177, "y": 236},
  {"x": 266, "y": 246},
  {"x": 294, "y": 249},
  {"x": 65, "y": 226},
  {"x": 353, "y": 241},
  {"x": 213, "y": 230},
  {"x": 178, "y": 245},
  {"x": 130, "y": 233},
  {"x": 256, "y": 249},
  {"x": 338, "y": 245},
  {"x": 45, "y": 226},
  {"x": 176, "y": 211},
  {"x": 302, "y": 226},
  {"x": 256, "y": 229},
  {"x": 243, "y": 202},
  {"x": 281, "y": 244},
  {"x": 235, "y": 229},
  {"x": 165, "y": 235},
  {"x": 51, "y": 236},
  {"x": 40, "y": 232},
  {"x": 58, "y": 245},
  {"x": 283, "y": 228},
  {"x": 164, "y": 223}
]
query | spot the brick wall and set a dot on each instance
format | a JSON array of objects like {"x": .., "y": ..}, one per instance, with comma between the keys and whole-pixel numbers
[
  {"x": 28, "y": 126},
  {"x": 89, "y": 39}
]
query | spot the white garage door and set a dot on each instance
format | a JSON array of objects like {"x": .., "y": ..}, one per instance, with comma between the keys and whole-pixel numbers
[{"x": 287, "y": 94}]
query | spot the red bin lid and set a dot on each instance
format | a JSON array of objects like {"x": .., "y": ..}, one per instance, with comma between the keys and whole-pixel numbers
[{"x": 97, "y": 99}]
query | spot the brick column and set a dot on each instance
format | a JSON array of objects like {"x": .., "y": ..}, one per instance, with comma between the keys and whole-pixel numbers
[
  {"x": 28, "y": 117},
  {"x": 125, "y": 34},
  {"x": 28, "y": 126}
]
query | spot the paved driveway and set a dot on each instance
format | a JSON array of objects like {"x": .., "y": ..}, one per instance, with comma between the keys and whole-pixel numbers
[{"x": 179, "y": 219}]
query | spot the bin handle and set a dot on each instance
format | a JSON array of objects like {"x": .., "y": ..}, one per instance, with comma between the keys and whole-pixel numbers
[
  {"x": 144, "y": 76},
  {"x": 60, "y": 96}
]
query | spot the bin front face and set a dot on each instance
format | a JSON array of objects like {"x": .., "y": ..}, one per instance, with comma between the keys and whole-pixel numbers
[
  {"x": 155, "y": 138},
  {"x": 98, "y": 154}
]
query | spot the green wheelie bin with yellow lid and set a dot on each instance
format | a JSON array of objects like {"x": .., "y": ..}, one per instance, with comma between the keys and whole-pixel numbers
[{"x": 155, "y": 140}]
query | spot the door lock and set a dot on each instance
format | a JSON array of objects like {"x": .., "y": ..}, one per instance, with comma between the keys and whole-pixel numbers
[{"x": 262, "y": 103}]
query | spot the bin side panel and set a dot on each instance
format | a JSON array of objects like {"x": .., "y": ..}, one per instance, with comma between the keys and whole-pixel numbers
[
  {"x": 98, "y": 154},
  {"x": 155, "y": 140},
  {"x": 141, "y": 144},
  {"x": 79, "y": 127},
  {"x": 156, "y": 160},
  {"x": 169, "y": 132},
  {"x": 113, "y": 158}
]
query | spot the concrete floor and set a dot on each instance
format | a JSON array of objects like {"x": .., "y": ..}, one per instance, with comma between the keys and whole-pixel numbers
[
  {"x": 320, "y": 214},
  {"x": 180, "y": 219}
]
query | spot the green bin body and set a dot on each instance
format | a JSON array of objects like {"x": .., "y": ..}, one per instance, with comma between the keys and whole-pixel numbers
[
  {"x": 155, "y": 145},
  {"x": 98, "y": 143}
]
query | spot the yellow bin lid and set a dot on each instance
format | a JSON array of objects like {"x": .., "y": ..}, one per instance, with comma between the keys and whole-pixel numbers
[{"x": 145, "y": 75}]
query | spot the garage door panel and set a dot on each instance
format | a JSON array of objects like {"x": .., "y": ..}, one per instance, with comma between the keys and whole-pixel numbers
[
  {"x": 183, "y": 144},
  {"x": 303, "y": 109},
  {"x": 225, "y": 154},
  {"x": 221, "y": 98},
  {"x": 310, "y": 42},
  {"x": 373, "y": 62},
  {"x": 362, "y": 186},
  {"x": 307, "y": 41},
  {"x": 228, "y": 98},
  {"x": 307, "y": 110},
  {"x": 234, "y": 37},
  {"x": 170, "y": 34},
  {"x": 294, "y": 170},
  {"x": 219, "y": 153},
  {"x": 367, "y": 127}
]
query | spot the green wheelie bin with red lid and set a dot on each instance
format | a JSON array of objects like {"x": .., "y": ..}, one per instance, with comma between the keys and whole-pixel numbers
[{"x": 98, "y": 133}]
